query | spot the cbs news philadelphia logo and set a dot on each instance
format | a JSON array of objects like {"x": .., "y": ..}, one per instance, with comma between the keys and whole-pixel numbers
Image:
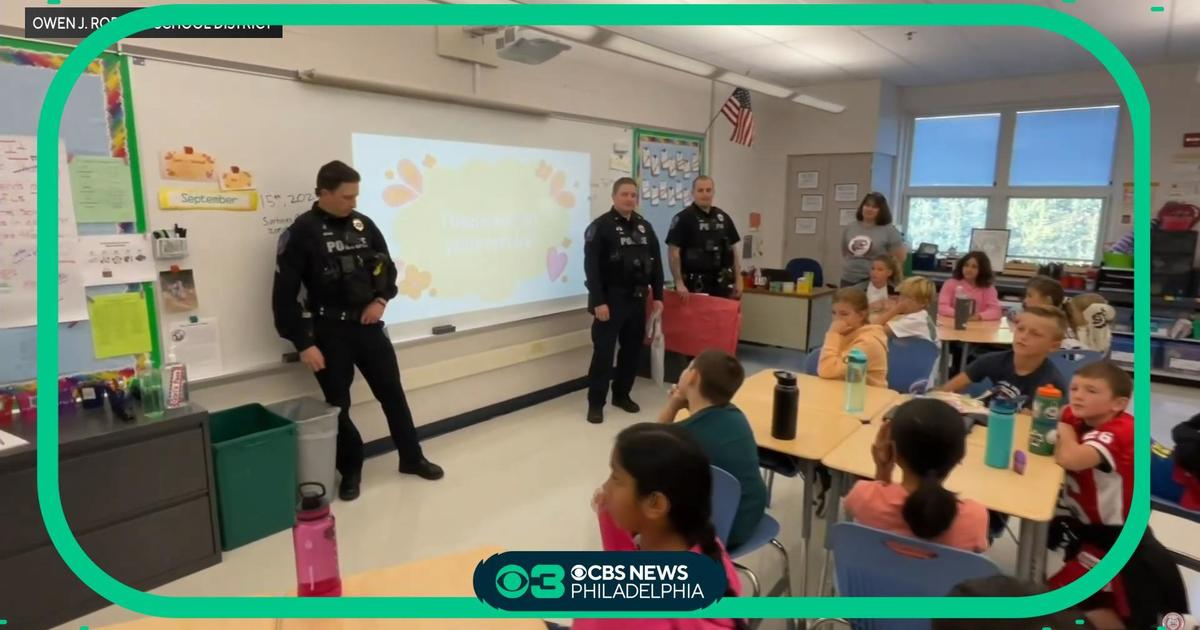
[{"x": 599, "y": 580}]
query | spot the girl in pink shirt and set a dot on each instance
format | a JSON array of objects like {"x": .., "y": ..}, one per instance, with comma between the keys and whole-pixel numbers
[
  {"x": 927, "y": 439},
  {"x": 972, "y": 274},
  {"x": 660, "y": 491}
]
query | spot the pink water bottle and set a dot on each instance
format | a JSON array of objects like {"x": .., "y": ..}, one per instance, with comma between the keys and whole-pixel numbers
[{"x": 315, "y": 538}]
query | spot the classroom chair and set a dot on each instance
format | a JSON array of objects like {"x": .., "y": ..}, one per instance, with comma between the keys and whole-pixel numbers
[
  {"x": 873, "y": 563},
  {"x": 810, "y": 362},
  {"x": 726, "y": 495},
  {"x": 910, "y": 360},
  {"x": 1068, "y": 361},
  {"x": 799, "y": 266},
  {"x": 975, "y": 390}
]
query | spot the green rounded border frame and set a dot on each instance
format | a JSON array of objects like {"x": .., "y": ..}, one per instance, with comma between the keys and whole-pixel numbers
[{"x": 1043, "y": 18}]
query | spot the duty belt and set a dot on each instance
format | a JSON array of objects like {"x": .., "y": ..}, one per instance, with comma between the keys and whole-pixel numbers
[{"x": 341, "y": 315}]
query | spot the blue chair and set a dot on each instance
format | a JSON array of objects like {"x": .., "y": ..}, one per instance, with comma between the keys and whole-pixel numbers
[
  {"x": 975, "y": 390},
  {"x": 726, "y": 495},
  {"x": 798, "y": 266},
  {"x": 910, "y": 360},
  {"x": 873, "y": 563},
  {"x": 1068, "y": 361},
  {"x": 810, "y": 362}
]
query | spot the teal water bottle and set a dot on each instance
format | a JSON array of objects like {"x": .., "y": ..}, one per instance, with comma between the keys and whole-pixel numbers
[
  {"x": 998, "y": 453},
  {"x": 856, "y": 381}
]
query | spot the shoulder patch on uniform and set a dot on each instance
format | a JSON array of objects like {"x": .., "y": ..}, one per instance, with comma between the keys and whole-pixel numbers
[
  {"x": 674, "y": 221},
  {"x": 590, "y": 233},
  {"x": 282, "y": 244}
]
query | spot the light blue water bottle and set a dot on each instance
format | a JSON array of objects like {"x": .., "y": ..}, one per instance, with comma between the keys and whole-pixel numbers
[
  {"x": 998, "y": 453},
  {"x": 856, "y": 381}
]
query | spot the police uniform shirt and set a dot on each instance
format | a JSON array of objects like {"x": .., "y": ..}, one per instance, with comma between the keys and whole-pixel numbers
[
  {"x": 342, "y": 262},
  {"x": 691, "y": 227},
  {"x": 609, "y": 242}
]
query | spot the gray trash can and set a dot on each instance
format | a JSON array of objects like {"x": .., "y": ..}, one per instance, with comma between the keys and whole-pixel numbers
[{"x": 316, "y": 439}]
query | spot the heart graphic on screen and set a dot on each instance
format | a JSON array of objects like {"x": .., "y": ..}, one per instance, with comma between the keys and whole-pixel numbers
[{"x": 556, "y": 262}]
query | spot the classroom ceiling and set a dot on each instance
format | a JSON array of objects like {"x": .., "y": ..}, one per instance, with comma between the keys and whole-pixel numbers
[{"x": 794, "y": 56}]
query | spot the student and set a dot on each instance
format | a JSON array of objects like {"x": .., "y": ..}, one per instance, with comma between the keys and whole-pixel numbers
[
  {"x": 1039, "y": 291},
  {"x": 926, "y": 438},
  {"x": 850, "y": 330},
  {"x": 885, "y": 274},
  {"x": 1089, "y": 323},
  {"x": 1020, "y": 371},
  {"x": 1096, "y": 447},
  {"x": 1007, "y": 586},
  {"x": 1186, "y": 436},
  {"x": 722, "y": 430},
  {"x": 909, "y": 316},
  {"x": 972, "y": 274},
  {"x": 659, "y": 489}
]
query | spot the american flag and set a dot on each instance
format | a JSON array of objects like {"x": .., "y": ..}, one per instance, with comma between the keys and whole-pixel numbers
[{"x": 737, "y": 111}]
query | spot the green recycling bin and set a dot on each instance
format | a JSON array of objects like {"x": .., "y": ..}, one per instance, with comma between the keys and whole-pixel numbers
[{"x": 254, "y": 463}]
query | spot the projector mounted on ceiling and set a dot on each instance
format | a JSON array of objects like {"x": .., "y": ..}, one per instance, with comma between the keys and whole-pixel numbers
[{"x": 522, "y": 45}]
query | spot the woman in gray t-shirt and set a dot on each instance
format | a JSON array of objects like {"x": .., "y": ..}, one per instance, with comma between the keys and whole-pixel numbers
[{"x": 871, "y": 235}]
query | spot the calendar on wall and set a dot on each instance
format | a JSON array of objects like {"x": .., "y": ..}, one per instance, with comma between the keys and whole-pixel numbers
[{"x": 665, "y": 165}]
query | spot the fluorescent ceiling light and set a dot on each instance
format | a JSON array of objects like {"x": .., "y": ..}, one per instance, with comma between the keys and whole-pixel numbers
[
  {"x": 820, "y": 104},
  {"x": 653, "y": 54},
  {"x": 577, "y": 33},
  {"x": 770, "y": 89}
]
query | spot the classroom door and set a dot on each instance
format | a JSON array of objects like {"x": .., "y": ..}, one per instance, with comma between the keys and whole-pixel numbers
[{"x": 814, "y": 217}]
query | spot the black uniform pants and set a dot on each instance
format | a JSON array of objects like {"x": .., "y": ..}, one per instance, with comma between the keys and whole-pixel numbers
[
  {"x": 626, "y": 324},
  {"x": 347, "y": 345}
]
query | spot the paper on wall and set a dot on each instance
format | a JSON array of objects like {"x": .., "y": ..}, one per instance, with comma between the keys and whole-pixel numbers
[
  {"x": 116, "y": 259},
  {"x": 18, "y": 190},
  {"x": 808, "y": 179},
  {"x": 18, "y": 284},
  {"x": 845, "y": 192},
  {"x": 198, "y": 346},
  {"x": 101, "y": 189},
  {"x": 812, "y": 203},
  {"x": 806, "y": 226}
]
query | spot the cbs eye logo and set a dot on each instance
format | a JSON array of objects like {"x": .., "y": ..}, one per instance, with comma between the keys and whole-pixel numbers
[{"x": 544, "y": 581}]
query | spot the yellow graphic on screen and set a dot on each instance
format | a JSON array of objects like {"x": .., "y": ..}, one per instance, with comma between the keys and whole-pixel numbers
[{"x": 478, "y": 230}]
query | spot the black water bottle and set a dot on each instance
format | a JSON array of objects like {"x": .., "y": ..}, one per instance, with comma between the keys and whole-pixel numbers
[{"x": 783, "y": 415}]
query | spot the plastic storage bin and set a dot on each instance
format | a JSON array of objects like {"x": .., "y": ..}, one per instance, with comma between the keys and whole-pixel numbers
[
  {"x": 254, "y": 462},
  {"x": 1122, "y": 349},
  {"x": 316, "y": 439},
  {"x": 1182, "y": 356}
]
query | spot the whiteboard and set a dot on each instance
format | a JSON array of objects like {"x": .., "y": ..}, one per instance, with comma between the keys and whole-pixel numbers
[{"x": 281, "y": 131}]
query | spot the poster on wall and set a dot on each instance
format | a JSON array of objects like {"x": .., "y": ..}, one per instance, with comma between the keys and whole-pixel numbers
[
  {"x": 993, "y": 243},
  {"x": 665, "y": 165}
]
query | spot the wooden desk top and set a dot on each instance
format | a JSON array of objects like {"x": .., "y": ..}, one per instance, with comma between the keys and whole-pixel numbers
[
  {"x": 822, "y": 424},
  {"x": 443, "y": 576},
  {"x": 994, "y": 332},
  {"x": 816, "y": 293},
  {"x": 1033, "y": 495}
]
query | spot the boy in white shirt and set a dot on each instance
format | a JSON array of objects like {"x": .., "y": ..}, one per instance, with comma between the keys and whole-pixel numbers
[{"x": 909, "y": 316}]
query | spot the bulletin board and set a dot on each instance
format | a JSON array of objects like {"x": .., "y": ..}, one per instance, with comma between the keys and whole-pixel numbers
[
  {"x": 97, "y": 127},
  {"x": 665, "y": 164}
]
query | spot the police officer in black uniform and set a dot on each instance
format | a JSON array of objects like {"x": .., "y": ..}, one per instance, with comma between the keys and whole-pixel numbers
[
  {"x": 342, "y": 262},
  {"x": 621, "y": 258},
  {"x": 702, "y": 244}
]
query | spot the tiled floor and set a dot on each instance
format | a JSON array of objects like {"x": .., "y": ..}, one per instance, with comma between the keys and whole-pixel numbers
[{"x": 508, "y": 488}]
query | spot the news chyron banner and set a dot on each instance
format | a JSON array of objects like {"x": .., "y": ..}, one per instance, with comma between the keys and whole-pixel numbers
[
  {"x": 598, "y": 581},
  {"x": 79, "y": 22}
]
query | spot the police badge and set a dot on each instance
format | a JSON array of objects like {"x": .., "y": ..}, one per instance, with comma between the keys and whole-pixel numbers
[{"x": 358, "y": 224}]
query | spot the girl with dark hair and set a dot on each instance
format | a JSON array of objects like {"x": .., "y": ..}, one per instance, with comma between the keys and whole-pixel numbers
[
  {"x": 926, "y": 438},
  {"x": 660, "y": 490},
  {"x": 973, "y": 277},
  {"x": 871, "y": 235}
]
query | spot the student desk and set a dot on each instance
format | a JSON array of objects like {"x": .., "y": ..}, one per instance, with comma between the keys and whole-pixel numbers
[
  {"x": 820, "y": 427},
  {"x": 992, "y": 332},
  {"x": 443, "y": 576},
  {"x": 1031, "y": 497},
  {"x": 787, "y": 320}
]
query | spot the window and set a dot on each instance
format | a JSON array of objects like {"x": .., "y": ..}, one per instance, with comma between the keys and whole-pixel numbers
[
  {"x": 1064, "y": 147},
  {"x": 1054, "y": 229},
  {"x": 947, "y": 221},
  {"x": 1044, "y": 174},
  {"x": 955, "y": 150}
]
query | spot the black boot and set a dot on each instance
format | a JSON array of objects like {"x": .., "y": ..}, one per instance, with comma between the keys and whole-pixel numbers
[
  {"x": 348, "y": 490},
  {"x": 424, "y": 469},
  {"x": 626, "y": 403}
]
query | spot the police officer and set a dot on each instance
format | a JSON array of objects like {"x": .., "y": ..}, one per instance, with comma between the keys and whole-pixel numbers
[
  {"x": 702, "y": 243},
  {"x": 342, "y": 262},
  {"x": 621, "y": 257}
]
